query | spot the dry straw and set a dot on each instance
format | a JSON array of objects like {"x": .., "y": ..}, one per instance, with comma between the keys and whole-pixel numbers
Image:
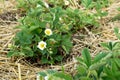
[{"x": 20, "y": 69}]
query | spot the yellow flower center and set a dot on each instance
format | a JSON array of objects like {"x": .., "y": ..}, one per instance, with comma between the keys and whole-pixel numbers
[
  {"x": 42, "y": 45},
  {"x": 48, "y": 32}
]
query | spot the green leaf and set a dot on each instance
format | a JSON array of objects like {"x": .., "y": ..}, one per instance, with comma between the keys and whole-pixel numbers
[
  {"x": 27, "y": 51},
  {"x": 117, "y": 61},
  {"x": 59, "y": 57},
  {"x": 104, "y": 13},
  {"x": 105, "y": 45},
  {"x": 43, "y": 74},
  {"x": 108, "y": 56},
  {"x": 84, "y": 78},
  {"x": 50, "y": 71},
  {"x": 32, "y": 28},
  {"x": 116, "y": 30},
  {"x": 82, "y": 62},
  {"x": 114, "y": 66},
  {"x": 100, "y": 71},
  {"x": 109, "y": 45},
  {"x": 56, "y": 14},
  {"x": 64, "y": 76},
  {"x": 116, "y": 17},
  {"x": 108, "y": 71},
  {"x": 10, "y": 54},
  {"x": 96, "y": 65},
  {"x": 118, "y": 8},
  {"x": 66, "y": 43},
  {"x": 47, "y": 72},
  {"x": 87, "y": 3},
  {"x": 81, "y": 69},
  {"x": 94, "y": 74},
  {"x": 86, "y": 56},
  {"x": 44, "y": 60},
  {"x": 23, "y": 37},
  {"x": 99, "y": 57}
]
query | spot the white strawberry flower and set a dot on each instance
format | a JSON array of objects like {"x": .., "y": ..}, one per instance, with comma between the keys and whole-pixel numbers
[
  {"x": 67, "y": 2},
  {"x": 38, "y": 77},
  {"x": 42, "y": 45},
  {"x": 48, "y": 32},
  {"x": 46, "y": 77}
]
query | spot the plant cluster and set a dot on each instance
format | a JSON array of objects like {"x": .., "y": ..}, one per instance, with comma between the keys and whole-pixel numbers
[
  {"x": 104, "y": 66},
  {"x": 47, "y": 27}
]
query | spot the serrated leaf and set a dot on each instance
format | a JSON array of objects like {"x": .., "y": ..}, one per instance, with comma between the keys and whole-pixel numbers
[
  {"x": 116, "y": 17},
  {"x": 99, "y": 57},
  {"x": 117, "y": 61},
  {"x": 87, "y": 3},
  {"x": 50, "y": 71},
  {"x": 114, "y": 66},
  {"x": 105, "y": 45},
  {"x": 81, "y": 69},
  {"x": 94, "y": 74},
  {"x": 116, "y": 30},
  {"x": 100, "y": 71},
  {"x": 64, "y": 76},
  {"x": 44, "y": 60},
  {"x": 108, "y": 56},
  {"x": 27, "y": 51},
  {"x": 43, "y": 74},
  {"x": 109, "y": 45},
  {"x": 66, "y": 43},
  {"x": 86, "y": 56},
  {"x": 23, "y": 37},
  {"x": 81, "y": 62},
  {"x": 10, "y": 54},
  {"x": 96, "y": 65},
  {"x": 32, "y": 28},
  {"x": 59, "y": 57}
]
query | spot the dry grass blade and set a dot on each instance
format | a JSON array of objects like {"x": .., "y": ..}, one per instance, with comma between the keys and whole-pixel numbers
[{"x": 19, "y": 71}]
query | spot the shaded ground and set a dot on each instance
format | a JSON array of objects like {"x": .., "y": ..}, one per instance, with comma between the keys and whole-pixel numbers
[{"x": 20, "y": 68}]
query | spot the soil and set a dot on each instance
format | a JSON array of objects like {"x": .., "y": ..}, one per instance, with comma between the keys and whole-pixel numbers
[{"x": 14, "y": 69}]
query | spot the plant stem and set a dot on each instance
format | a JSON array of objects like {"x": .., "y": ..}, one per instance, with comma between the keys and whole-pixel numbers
[{"x": 88, "y": 74}]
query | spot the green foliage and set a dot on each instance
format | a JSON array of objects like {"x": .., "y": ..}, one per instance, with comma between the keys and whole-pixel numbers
[
  {"x": 110, "y": 46},
  {"x": 75, "y": 17},
  {"x": 86, "y": 57},
  {"x": 61, "y": 20},
  {"x": 91, "y": 71},
  {"x": 117, "y": 16},
  {"x": 53, "y": 75},
  {"x": 104, "y": 66},
  {"x": 33, "y": 26},
  {"x": 116, "y": 30}
]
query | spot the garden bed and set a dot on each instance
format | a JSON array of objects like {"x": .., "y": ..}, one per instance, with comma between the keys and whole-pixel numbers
[{"x": 14, "y": 69}]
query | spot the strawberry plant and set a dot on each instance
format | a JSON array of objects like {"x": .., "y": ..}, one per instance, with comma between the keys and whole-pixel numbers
[
  {"x": 104, "y": 66},
  {"x": 43, "y": 35},
  {"x": 47, "y": 27},
  {"x": 53, "y": 75}
]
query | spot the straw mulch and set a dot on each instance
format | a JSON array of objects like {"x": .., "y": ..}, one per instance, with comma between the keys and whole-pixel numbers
[{"x": 20, "y": 69}]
